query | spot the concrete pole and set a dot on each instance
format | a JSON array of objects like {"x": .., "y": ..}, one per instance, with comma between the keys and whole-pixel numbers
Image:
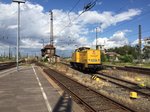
[
  {"x": 140, "y": 60},
  {"x": 51, "y": 27},
  {"x": 96, "y": 38},
  {"x": 18, "y": 32},
  {"x": 18, "y": 37}
]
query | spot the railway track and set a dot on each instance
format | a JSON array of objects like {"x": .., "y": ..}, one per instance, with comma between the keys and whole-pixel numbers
[
  {"x": 92, "y": 100},
  {"x": 7, "y": 65},
  {"x": 138, "y": 69},
  {"x": 125, "y": 84},
  {"x": 145, "y": 71}
]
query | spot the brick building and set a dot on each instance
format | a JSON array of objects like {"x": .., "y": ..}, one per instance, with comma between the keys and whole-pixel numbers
[{"x": 49, "y": 52}]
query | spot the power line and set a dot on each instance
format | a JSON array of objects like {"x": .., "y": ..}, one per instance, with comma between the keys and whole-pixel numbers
[
  {"x": 87, "y": 7},
  {"x": 74, "y": 6},
  {"x": 72, "y": 10},
  {"x": 122, "y": 7}
]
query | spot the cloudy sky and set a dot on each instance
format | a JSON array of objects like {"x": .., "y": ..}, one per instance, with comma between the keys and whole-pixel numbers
[{"x": 117, "y": 23}]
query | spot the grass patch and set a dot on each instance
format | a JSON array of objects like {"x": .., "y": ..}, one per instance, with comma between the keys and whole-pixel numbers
[{"x": 145, "y": 65}]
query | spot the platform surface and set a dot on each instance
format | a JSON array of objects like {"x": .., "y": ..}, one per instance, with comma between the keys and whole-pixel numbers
[{"x": 29, "y": 91}]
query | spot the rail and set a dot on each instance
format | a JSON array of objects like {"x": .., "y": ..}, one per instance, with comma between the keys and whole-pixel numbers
[
  {"x": 7, "y": 65},
  {"x": 125, "y": 84},
  {"x": 92, "y": 100},
  {"x": 132, "y": 69}
]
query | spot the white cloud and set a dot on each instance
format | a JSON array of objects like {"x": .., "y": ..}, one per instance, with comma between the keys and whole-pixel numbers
[
  {"x": 118, "y": 39},
  {"x": 136, "y": 42},
  {"x": 29, "y": 43},
  {"x": 98, "y": 3},
  {"x": 35, "y": 25},
  {"x": 12, "y": 27},
  {"x": 119, "y": 36},
  {"x": 108, "y": 18}
]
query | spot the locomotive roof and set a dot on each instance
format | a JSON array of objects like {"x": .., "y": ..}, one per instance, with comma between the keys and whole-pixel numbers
[{"x": 82, "y": 48}]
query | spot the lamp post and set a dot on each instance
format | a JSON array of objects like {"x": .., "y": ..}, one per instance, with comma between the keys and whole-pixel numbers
[{"x": 18, "y": 32}]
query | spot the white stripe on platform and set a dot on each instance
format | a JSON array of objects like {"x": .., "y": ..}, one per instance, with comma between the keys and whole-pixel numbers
[{"x": 43, "y": 92}]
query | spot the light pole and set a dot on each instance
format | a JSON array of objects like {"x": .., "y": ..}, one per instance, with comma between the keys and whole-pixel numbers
[
  {"x": 96, "y": 38},
  {"x": 18, "y": 33}
]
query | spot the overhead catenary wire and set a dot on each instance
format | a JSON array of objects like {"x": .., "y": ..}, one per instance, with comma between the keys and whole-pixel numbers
[
  {"x": 74, "y": 6},
  {"x": 87, "y": 7},
  {"x": 122, "y": 7},
  {"x": 72, "y": 9}
]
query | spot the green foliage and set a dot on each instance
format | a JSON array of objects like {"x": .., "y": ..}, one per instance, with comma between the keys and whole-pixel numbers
[
  {"x": 125, "y": 50},
  {"x": 5, "y": 59},
  {"x": 45, "y": 59},
  {"x": 126, "y": 58},
  {"x": 146, "y": 52},
  {"x": 104, "y": 57}
]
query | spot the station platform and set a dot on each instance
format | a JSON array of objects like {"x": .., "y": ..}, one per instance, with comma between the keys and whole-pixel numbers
[{"x": 29, "y": 90}]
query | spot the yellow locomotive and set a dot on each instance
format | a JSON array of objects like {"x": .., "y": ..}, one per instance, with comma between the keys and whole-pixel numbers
[{"x": 85, "y": 58}]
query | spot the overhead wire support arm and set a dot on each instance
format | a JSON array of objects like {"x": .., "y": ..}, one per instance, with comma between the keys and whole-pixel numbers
[{"x": 89, "y": 6}]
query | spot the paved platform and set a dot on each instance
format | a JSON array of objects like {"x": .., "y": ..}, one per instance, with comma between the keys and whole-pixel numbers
[{"x": 29, "y": 91}]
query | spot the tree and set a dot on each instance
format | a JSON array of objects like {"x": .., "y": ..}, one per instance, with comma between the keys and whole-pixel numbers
[
  {"x": 126, "y": 58},
  {"x": 146, "y": 52},
  {"x": 103, "y": 57},
  {"x": 125, "y": 50}
]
